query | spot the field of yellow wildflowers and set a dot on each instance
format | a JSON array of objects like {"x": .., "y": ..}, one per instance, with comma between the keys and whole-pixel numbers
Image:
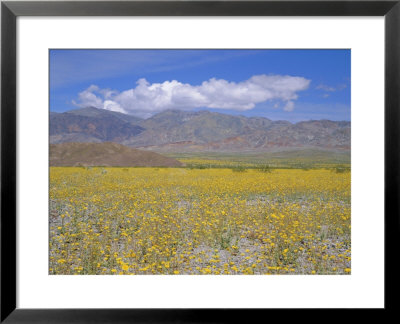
[{"x": 199, "y": 221}]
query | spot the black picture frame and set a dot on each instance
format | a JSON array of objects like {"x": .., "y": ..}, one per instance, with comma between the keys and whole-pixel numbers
[{"x": 9, "y": 13}]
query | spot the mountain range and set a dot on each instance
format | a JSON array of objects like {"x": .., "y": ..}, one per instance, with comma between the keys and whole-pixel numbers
[{"x": 184, "y": 131}]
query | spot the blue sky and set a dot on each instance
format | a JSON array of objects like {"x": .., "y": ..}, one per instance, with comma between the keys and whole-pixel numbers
[{"x": 291, "y": 85}]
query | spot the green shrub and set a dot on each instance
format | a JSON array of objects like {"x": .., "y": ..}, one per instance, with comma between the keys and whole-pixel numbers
[
  {"x": 341, "y": 169},
  {"x": 238, "y": 168},
  {"x": 265, "y": 168}
]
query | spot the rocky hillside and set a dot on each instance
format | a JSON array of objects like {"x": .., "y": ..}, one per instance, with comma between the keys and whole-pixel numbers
[
  {"x": 92, "y": 125},
  {"x": 106, "y": 154},
  {"x": 181, "y": 131}
]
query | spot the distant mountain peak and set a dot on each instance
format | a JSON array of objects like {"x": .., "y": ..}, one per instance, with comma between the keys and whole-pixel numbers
[{"x": 98, "y": 112}]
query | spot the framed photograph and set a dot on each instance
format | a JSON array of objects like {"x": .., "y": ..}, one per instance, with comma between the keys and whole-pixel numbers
[{"x": 193, "y": 161}]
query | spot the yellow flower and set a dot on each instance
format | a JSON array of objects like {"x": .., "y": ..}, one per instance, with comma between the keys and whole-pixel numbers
[{"x": 216, "y": 221}]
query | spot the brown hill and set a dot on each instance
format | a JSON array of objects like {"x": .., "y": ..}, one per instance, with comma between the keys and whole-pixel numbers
[{"x": 106, "y": 154}]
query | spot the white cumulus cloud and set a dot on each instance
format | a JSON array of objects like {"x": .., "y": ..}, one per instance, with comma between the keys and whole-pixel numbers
[
  {"x": 289, "y": 106},
  {"x": 147, "y": 99}
]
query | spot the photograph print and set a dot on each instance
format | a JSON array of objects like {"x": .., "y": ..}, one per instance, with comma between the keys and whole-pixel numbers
[{"x": 200, "y": 162}]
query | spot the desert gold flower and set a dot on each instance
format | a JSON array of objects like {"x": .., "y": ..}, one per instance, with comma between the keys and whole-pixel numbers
[{"x": 194, "y": 221}]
